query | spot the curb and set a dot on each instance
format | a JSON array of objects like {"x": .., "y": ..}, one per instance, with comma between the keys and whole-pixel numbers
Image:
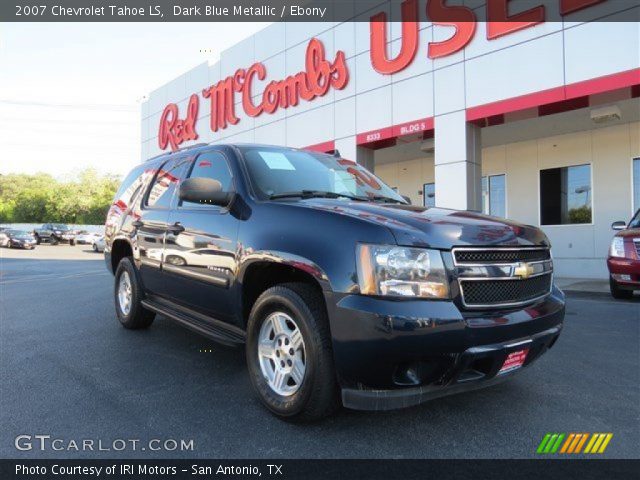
[{"x": 585, "y": 293}]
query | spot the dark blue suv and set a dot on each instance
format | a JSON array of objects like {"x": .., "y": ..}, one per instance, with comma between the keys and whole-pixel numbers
[{"x": 341, "y": 291}]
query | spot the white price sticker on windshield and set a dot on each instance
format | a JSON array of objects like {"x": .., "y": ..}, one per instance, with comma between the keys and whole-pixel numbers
[{"x": 276, "y": 161}]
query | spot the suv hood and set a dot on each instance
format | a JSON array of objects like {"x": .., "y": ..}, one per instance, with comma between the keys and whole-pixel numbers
[
  {"x": 435, "y": 227},
  {"x": 629, "y": 232}
]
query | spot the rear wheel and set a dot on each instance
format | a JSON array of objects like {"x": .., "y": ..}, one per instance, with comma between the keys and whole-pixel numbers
[
  {"x": 38, "y": 240},
  {"x": 617, "y": 292},
  {"x": 95, "y": 247},
  {"x": 289, "y": 353},
  {"x": 128, "y": 297}
]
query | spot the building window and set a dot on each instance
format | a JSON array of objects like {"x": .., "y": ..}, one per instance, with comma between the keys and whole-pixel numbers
[
  {"x": 494, "y": 195},
  {"x": 565, "y": 195},
  {"x": 636, "y": 184},
  {"x": 429, "y": 194}
]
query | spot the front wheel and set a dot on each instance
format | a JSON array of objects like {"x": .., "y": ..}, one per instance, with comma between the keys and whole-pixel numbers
[
  {"x": 95, "y": 247},
  {"x": 128, "y": 297},
  {"x": 617, "y": 292},
  {"x": 289, "y": 353},
  {"x": 38, "y": 241}
]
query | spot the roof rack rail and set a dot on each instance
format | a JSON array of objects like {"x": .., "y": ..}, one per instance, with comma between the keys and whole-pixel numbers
[{"x": 188, "y": 147}]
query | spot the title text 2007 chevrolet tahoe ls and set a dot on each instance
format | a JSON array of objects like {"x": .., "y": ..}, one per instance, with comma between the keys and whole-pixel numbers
[{"x": 340, "y": 290}]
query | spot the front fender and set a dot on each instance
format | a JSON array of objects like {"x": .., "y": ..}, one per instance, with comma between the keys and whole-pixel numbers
[{"x": 284, "y": 258}]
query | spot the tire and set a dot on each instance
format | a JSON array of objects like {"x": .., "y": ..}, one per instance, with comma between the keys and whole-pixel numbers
[
  {"x": 316, "y": 395},
  {"x": 176, "y": 260},
  {"x": 131, "y": 313},
  {"x": 54, "y": 241},
  {"x": 617, "y": 292},
  {"x": 72, "y": 242},
  {"x": 38, "y": 240},
  {"x": 95, "y": 248}
]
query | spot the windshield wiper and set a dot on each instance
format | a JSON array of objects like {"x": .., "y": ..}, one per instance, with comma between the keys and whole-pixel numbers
[
  {"x": 314, "y": 194},
  {"x": 382, "y": 198}
]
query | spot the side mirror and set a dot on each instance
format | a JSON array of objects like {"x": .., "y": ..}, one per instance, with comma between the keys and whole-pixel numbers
[
  {"x": 406, "y": 198},
  {"x": 206, "y": 191},
  {"x": 619, "y": 225}
]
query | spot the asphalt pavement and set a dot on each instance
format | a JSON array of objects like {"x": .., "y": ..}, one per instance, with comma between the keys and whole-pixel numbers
[{"x": 69, "y": 370}]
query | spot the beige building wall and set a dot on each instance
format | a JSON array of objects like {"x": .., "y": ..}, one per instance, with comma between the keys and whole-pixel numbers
[{"x": 579, "y": 250}]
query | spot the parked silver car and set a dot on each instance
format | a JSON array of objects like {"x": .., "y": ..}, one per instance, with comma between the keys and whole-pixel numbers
[{"x": 98, "y": 244}]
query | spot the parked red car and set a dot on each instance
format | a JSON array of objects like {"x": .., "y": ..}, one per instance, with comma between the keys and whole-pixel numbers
[{"x": 624, "y": 258}]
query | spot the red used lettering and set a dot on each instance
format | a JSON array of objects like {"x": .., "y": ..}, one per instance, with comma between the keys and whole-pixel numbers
[
  {"x": 570, "y": 6},
  {"x": 500, "y": 23},
  {"x": 409, "y": 46},
  {"x": 462, "y": 18}
]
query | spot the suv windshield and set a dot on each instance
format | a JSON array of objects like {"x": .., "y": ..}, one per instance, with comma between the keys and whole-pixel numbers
[
  {"x": 59, "y": 226},
  {"x": 282, "y": 172}
]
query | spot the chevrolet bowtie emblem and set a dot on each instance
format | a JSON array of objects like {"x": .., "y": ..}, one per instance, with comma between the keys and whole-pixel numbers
[{"x": 523, "y": 270}]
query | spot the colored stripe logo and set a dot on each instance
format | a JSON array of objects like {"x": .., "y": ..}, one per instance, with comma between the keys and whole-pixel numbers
[{"x": 574, "y": 443}]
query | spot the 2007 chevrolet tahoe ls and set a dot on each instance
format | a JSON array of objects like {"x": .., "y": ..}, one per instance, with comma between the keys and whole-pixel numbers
[{"x": 341, "y": 291}]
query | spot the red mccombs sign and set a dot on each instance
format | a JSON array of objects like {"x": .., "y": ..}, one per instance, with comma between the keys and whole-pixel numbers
[
  {"x": 315, "y": 81},
  {"x": 320, "y": 74}
]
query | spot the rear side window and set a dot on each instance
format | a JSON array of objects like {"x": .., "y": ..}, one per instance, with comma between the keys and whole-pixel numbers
[
  {"x": 211, "y": 165},
  {"x": 165, "y": 182},
  {"x": 131, "y": 186}
]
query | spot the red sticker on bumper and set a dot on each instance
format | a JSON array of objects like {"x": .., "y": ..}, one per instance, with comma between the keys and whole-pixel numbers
[{"x": 514, "y": 360}]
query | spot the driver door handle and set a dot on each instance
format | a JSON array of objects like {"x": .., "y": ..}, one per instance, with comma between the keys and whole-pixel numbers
[{"x": 176, "y": 228}]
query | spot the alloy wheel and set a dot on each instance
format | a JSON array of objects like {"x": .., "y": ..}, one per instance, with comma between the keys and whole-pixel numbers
[
  {"x": 125, "y": 293},
  {"x": 281, "y": 353}
]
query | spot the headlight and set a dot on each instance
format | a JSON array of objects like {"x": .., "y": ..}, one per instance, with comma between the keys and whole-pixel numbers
[
  {"x": 617, "y": 247},
  {"x": 401, "y": 271},
  {"x": 57, "y": 232}
]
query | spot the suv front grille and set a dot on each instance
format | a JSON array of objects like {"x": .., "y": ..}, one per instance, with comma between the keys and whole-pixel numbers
[
  {"x": 501, "y": 256},
  {"x": 505, "y": 292},
  {"x": 637, "y": 244},
  {"x": 503, "y": 277}
]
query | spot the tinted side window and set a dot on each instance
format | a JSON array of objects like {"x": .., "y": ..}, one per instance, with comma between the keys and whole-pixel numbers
[
  {"x": 164, "y": 184},
  {"x": 131, "y": 185},
  {"x": 211, "y": 165}
]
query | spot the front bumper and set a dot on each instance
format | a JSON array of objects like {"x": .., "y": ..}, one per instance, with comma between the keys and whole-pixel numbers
[
  {"x": 625, "y": 271},
  {"x": 27, "y": 245},
  {"x": 397, "y": 353}
]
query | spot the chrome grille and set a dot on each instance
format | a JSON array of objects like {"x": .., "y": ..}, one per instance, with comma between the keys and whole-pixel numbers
[
  {"x": 637, "y": 244},
  {"x": 503, "y": 277}
]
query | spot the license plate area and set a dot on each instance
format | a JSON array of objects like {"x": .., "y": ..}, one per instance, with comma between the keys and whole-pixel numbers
[{"x": 514, "y": 361}]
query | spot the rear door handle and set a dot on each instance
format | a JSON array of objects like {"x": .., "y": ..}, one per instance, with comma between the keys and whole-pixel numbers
[
  {"x": 137, "y": 224},
  {"x": 176, "y": 228}
]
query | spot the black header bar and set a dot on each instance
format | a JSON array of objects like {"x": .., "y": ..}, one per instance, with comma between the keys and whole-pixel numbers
[
  {"x": 313, "y": 10},
  {"x": 582, "y": 469}
]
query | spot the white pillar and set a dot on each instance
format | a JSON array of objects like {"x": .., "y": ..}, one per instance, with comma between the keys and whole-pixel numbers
[
  {"x": 364, "y": 156},
  {"x": 458, "y": 163},
  {"x": 350, "y": 150}
]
